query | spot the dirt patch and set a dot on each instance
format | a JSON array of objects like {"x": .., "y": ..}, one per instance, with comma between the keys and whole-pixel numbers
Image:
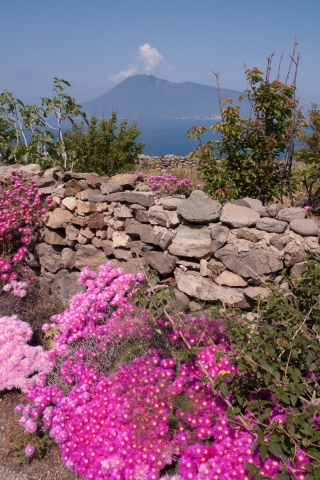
[{"x": 49, "y": 467}]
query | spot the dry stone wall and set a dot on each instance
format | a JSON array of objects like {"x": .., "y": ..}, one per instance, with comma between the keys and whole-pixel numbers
[
  {"x": 206, "y": 250},
  {"x": 167, "y": 162}
]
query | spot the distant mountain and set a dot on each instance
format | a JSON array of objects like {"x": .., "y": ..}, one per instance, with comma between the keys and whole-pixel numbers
[{"x": 146, "y": 97}]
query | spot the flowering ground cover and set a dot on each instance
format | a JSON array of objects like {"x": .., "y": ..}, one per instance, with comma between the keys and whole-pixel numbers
[
  {"x": 169, "y": 184},
  {"x": 21, "y": 208},
  {"x": 150, "y": 415}
]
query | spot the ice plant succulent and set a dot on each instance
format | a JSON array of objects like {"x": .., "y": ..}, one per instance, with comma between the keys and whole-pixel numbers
[
  {"x": 21, "y": 208},
  {"x": 168, "y": 184},
  {"x": 20, "y": 364},
  {"x": 150, "y": 416}
]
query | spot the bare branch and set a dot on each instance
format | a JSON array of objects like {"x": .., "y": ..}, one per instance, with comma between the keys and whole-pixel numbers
[{"x": 216, "y": 74}]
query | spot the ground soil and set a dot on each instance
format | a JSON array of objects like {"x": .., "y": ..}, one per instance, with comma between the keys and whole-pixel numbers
[{"x": 49, "y": 467}]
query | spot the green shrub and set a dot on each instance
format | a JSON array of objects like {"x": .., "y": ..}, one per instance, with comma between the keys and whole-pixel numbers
[
  {"x": 278, "y": 359},
  {"x": 105, "y": 148}
]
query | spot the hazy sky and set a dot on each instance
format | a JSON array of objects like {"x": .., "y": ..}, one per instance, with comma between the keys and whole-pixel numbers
[{"x": 95, "y": 44}]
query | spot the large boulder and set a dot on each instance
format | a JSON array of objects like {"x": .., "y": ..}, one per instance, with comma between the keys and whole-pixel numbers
[
  {"x": 289, "y": 214},
  {"x": 89, "y": 256},
  {"x": 305, "y": 227},
  {"x": 251, "y": 264},
  {"x": 163, "y": 264},
  {"x": 199, "y": 208},
  {"x": 192, "y": 241},
  {"x": 64, "y": 285},
  {"x": 237, "y": 216}
]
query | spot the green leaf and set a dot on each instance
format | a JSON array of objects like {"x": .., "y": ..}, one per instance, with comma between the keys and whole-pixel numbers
[{"x": 224, "y": 388}]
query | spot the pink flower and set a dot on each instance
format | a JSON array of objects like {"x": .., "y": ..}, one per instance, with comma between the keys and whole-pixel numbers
[
  {"x": 307, "y": 208},
  {"x": 29, "y": 450}
]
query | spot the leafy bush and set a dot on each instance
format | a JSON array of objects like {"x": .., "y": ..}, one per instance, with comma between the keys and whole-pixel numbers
[
  {"x": 308, "y": 155},
  {"x": 104, "y": 148},
  {"x": 26, "y": 135},
  {"x": 254, "y": 156},
  {"x": 277, "y": 390}
]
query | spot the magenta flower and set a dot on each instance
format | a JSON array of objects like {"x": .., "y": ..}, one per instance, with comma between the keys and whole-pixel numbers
[
  {"x": 307, "y": 208},
  {"x": 29, "y": 450}
]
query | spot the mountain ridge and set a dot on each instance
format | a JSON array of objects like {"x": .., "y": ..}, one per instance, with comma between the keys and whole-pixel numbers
[{"x": 146, "y": 96}]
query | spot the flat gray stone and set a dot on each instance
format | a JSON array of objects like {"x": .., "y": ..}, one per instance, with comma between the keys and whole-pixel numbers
[
  {"x": 192, "y": 241},
  {"x": 230, "y": 279},
  {"x": 145, "y": 199},
  {"x": 205, "y": 289},
  {"x": 251, "y": 264},
  {"x": 125, "y": 180},
  {"x": 171, "y": 203},
  {"x": 238, "y": 216},
  {"x": 305, "y": 227},
  {"x": 110, "y": 187},
  {"x": 289, "y": 214},
  {"x": 199, "y": 208},
  {"x": 271, "y": 225}
]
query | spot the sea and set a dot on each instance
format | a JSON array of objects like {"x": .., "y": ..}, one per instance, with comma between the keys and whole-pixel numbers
[{"x": 164, "y": 137}]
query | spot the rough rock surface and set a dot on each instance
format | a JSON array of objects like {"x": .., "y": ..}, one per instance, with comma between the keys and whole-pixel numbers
[
  {"x": 204, "y": 289},
  {"x": 251, "y": 264},
  {"x": 268, "y": 224},
  {"x": 237, "y": 216},
  {"x": 230, "y": 279},
  {"x": 89, "y": 256},
  {"x": 199, "y": 208},
  {"x": 163, "y": 264},
  {"x": 289, "y": 214},
  {"x": 64, "y": 285},
  {"x": 305, "y": 227},
  {"x": 193, "y": 241}
]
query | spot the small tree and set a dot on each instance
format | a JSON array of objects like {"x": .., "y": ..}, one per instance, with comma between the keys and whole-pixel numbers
[
  {"x": 104, "y": 148},
  {"x": 308, "y": 154},
  {"x": 23, "y": 128},
  {"x": 248, "y": 158}
]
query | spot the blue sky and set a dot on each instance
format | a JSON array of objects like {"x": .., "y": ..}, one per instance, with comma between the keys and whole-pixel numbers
[{"x": 95, "y": 43}]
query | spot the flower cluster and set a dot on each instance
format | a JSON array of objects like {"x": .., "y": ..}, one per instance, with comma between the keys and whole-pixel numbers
[
  {"x": 156, "y": 413},
  {"x": 21, "y": 208},
  {"x": 169, "y": 184},
  {"x": 19, "y": 362}
]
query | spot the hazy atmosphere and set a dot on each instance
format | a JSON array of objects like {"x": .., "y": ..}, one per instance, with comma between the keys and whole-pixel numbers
[{"x": 96, "y": 44}]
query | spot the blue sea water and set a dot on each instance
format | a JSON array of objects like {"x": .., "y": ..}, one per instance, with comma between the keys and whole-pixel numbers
[{"x": 163, "y": 137}]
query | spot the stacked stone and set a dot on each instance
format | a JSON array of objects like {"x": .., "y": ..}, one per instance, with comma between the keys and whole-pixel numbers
[
  {"x": 206, "y": 250},
  {"x": 167, "y": 162}
]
